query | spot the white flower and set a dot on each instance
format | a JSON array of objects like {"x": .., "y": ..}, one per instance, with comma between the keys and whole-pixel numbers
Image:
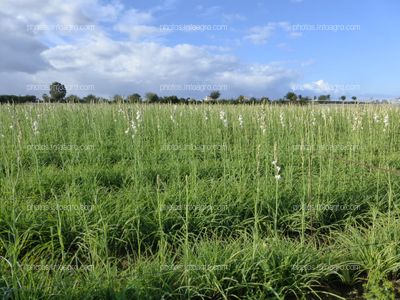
[
  {"x": 222, "y": 116},
  {"x": 261, "y": 120},
  {"x": 172, "y": 117},
  {"x": 281, "y": 117},
  {"x": 376, "y": 118},
  {"x": 262, "y": 127},
  {"x": 277, "y": 170},
  {"x": 240, "y": 118},
  {"x": 386, "y": 120},
  {"x": 138, "y": 116},
  {"x": 134, "y": 129},
  {"x": 313, "y": 121},
  {"x": 35, "y": 127}
]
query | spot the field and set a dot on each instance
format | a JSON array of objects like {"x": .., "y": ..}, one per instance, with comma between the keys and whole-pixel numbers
[{"x": 199, "y": 202}]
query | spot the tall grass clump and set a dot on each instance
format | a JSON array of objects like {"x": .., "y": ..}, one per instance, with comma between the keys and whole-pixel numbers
[{"x": 145, "y": 201}]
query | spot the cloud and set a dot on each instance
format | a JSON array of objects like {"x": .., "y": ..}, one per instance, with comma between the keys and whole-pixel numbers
[
  {"x": 19, "y": 51},
  {"x": 321, "y": 86},
  {"x": 125, "y": 67},
  {"x": 119, "y": 65},
  {"x": 261, "y": 34},
  {"x": 137, "y": 24}
]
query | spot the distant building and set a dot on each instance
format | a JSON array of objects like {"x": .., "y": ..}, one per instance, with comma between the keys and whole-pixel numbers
[{"x": 207, "y": 98}]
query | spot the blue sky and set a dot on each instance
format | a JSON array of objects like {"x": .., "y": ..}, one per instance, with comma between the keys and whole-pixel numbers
[{"x": 264, "y": 48}]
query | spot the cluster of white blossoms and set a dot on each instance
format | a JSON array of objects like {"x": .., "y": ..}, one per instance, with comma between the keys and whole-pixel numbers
[
  {"x": 120, "y": 111},
  {"x": 240, "y": 118},
  {"x": 35, "y": 127},
  {"x": 282, "y": 119},
  {"x": 139, "y": 117},
  {"x": 357, "y": 124},
  {"x": 277, "y": 170},
  {"x": 323, "y": 115},
  {"x": 376, "y": 118},
  {"x": 172, "y": 116},
  {"x": 206, "y": 117},
  {"x": 222, "y": 116},
  {"x": 385, "y": 122},
  {"x": 261, "y": 120},
  {"x": 132, "y": 128},
  {"x": 313, "y": 120}
]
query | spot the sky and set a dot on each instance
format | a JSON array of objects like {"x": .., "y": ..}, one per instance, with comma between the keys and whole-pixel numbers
[{"x": 189, "y": 48}]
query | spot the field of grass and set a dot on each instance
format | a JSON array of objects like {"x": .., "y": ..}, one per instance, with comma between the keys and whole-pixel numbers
[{"x": 199, "y": 202}]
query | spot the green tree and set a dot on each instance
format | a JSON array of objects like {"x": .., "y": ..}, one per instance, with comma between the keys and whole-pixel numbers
[
  {"x": 354, "y": 98},
  {"x": 90, "y": 99},
  {"x": 323, "y": 97},
  {"x": 118, "y": 99},
  {"x": 134, "y": 98},
  {"x": 45, "y": 98},
  {"x": 73, "y": 99},
  {"x": 291, "y": 96},
  {"x": 215, "y": 95},
  {"x": 57, "y": 92},
  {"x": 152, "y": 97},
  {"x": 343, "y": 98}
]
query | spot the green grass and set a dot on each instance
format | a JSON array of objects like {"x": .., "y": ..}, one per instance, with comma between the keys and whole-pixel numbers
[{"x": 185, "y": 204}]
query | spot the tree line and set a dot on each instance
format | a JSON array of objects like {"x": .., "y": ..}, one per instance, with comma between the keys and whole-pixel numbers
[{"x": 58, "y": 92}]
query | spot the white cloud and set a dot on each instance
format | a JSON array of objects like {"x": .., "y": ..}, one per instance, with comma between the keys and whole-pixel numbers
[
  {"x": 316, "y": 86},
  {"x": 125, "y": 67},
  {"x": 113, "y": 65},
  {"x": 321, "y": 86},
  {"x": 261, "y": 34},
  {"x": 19, "y": 50}
]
